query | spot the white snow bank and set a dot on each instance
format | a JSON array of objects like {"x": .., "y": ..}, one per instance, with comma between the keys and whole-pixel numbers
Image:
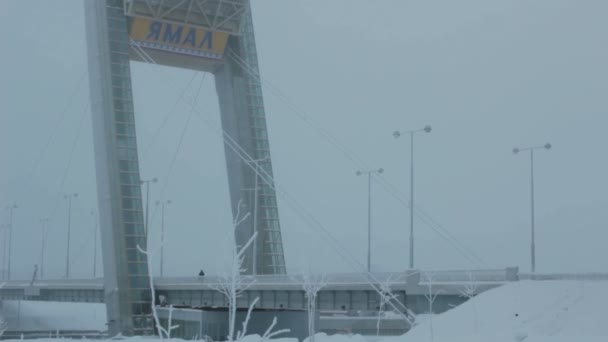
[
  {"x": 529, "y": 311},
  {"x": 526, "y": 310},
  {"x": 257, "y": 338},
  {"x": 36, "y": 316},
  {"x": 321, "y": 337}
]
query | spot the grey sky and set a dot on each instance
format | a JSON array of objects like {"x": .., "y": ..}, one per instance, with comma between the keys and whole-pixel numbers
[{"x": 487, "y": 75}]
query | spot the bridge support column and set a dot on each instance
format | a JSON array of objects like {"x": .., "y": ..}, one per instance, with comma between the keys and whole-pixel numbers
[
  {"x": 244, "y": 124},
  {"x": 126, "y": 283}
]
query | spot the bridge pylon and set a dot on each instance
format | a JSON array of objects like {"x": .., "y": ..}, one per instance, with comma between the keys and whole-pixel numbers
[{"x": 214, "y": 36}]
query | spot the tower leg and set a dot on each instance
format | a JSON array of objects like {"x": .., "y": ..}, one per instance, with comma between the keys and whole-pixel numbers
[
  {"x": 244, "y": 121},
  {"x": 126, "y": 282}
]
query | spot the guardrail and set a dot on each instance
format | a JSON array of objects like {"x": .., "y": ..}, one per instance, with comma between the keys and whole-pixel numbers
[
  {"x": 564, "y": 276},
  {"x": 88, "y": 334},
  {"x": 489, "y": 275}
]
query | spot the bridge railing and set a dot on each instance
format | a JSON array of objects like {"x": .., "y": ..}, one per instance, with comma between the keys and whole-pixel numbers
[
  {"x": 489, "y": 275},
  {"x": 564, "y": 276}
]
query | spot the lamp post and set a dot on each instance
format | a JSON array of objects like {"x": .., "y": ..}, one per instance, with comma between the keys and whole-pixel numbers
[
  {"x": 369, "y": 213},
  {"x": 11, "y": 208},
  {"x": 67, "y": 257},
  {"x": 162, "y": 234},
  {"x": 95, "y": 228},
  {"x": 397, "y": 134},
  {"x": 531, "y": 149},
  {"x": 147, "y": 182},
  {"x": 4, "y": 250},
  {"x": 44, "y": 222}
]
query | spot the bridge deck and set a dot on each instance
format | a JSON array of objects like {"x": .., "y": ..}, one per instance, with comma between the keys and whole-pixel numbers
[{"x": 342, "y": 292}]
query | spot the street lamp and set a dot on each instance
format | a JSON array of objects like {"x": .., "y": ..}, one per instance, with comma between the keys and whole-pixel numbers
[
  {"x": 11, "y": 208},
  {"x": 67, "y": 257},
  {"x": 162, "y": 234},
  {"x": 369, "y": 213},
  {"x": 4, "y": 250},
  {"x": 147, "y": 182},
  {"x": 516, "y": 150},
  {"x": 397, "y": 134},
  {"x": 95, "y": 227},
  {"x": 44, "y": 222}
]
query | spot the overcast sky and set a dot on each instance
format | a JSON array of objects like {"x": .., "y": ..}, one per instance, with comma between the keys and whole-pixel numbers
[{"x": 487, "y": 75}]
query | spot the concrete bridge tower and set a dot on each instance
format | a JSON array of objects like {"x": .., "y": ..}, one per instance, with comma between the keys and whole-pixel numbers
[{"x": 214, "y": 36}]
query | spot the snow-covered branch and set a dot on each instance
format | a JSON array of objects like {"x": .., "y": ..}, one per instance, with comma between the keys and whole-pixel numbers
[
  {"x": 243, "y": 333},
  {"x": 233, "y": 284},
  {"x": 469, "y": 291},
  {"x": 431, "y": 296},
  {"x": 386, "y": 295},
  {"x": 269, "y": 334},
  {"x": 162, "y": 332},
  {"x": 312, "y": 284}
]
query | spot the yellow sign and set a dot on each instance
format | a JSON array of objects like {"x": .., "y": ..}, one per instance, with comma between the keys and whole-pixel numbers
[{"x": 178, "y": 38}]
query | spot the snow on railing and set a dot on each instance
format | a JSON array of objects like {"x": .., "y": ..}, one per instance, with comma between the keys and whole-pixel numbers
[
  {"x": 564, "y": 276},
  {"x": 500, "y": 275}
]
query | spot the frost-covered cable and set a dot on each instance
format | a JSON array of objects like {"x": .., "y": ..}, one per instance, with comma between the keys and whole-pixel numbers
[
  {"x": 267, "y": 178},
  {"x": 69, "y": 163},
  {"x": 181, "y": 138},
  {"x": 29, "y": 176},
  {"x": 166, "y": 119},
  {"x": 355, "y": 159}
]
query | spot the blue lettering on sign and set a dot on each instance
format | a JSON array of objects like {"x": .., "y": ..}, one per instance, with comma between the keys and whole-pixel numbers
[
  {"x": 154, "y": 30},
  {"x": 190, "y": 38},
  {"x": 207, "y": 39},
  {"x": 173, "y": 35}
]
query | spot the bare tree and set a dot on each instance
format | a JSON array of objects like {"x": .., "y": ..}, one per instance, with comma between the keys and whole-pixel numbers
[
  {"x": 386, "y": 295},
  {"x": 242, "y": 333},
  {"x": 233, "y": 284},
  {"x": 431, "y": 296},
  {"x": 269, "y": 334},
  {"x": 162, "y": 332},
  {"x": 312, "y": 284},
  {"x": 469, "y": 291}
]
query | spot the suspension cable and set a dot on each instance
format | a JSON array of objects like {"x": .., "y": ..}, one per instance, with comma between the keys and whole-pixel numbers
[
  {"x": 360, "y": 163},
  {"x": 268, "y": 179}
]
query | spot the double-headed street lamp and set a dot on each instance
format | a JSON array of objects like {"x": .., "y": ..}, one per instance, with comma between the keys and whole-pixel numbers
[
  {"x": 369, "y": 212},
  {"x": 397, "y": 134},
  {"x": 147, "y": 182},
  {"x": 531, "y": 149},
  {"x": 44, "y": 222},
  {"x": 69, "y": 198},
  {"x": 11, "y": 208},
  {"x": 162, "y": 234}
]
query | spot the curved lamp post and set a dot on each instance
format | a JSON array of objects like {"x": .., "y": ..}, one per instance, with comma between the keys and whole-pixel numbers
[{"x": 531, "y": 149}]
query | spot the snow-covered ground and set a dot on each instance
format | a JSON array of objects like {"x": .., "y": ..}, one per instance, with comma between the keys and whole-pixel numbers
[
  {"x": 530, "y": 311},
  {"x": 45, "y": 316},
  {"x": 525, "y": 310}
]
